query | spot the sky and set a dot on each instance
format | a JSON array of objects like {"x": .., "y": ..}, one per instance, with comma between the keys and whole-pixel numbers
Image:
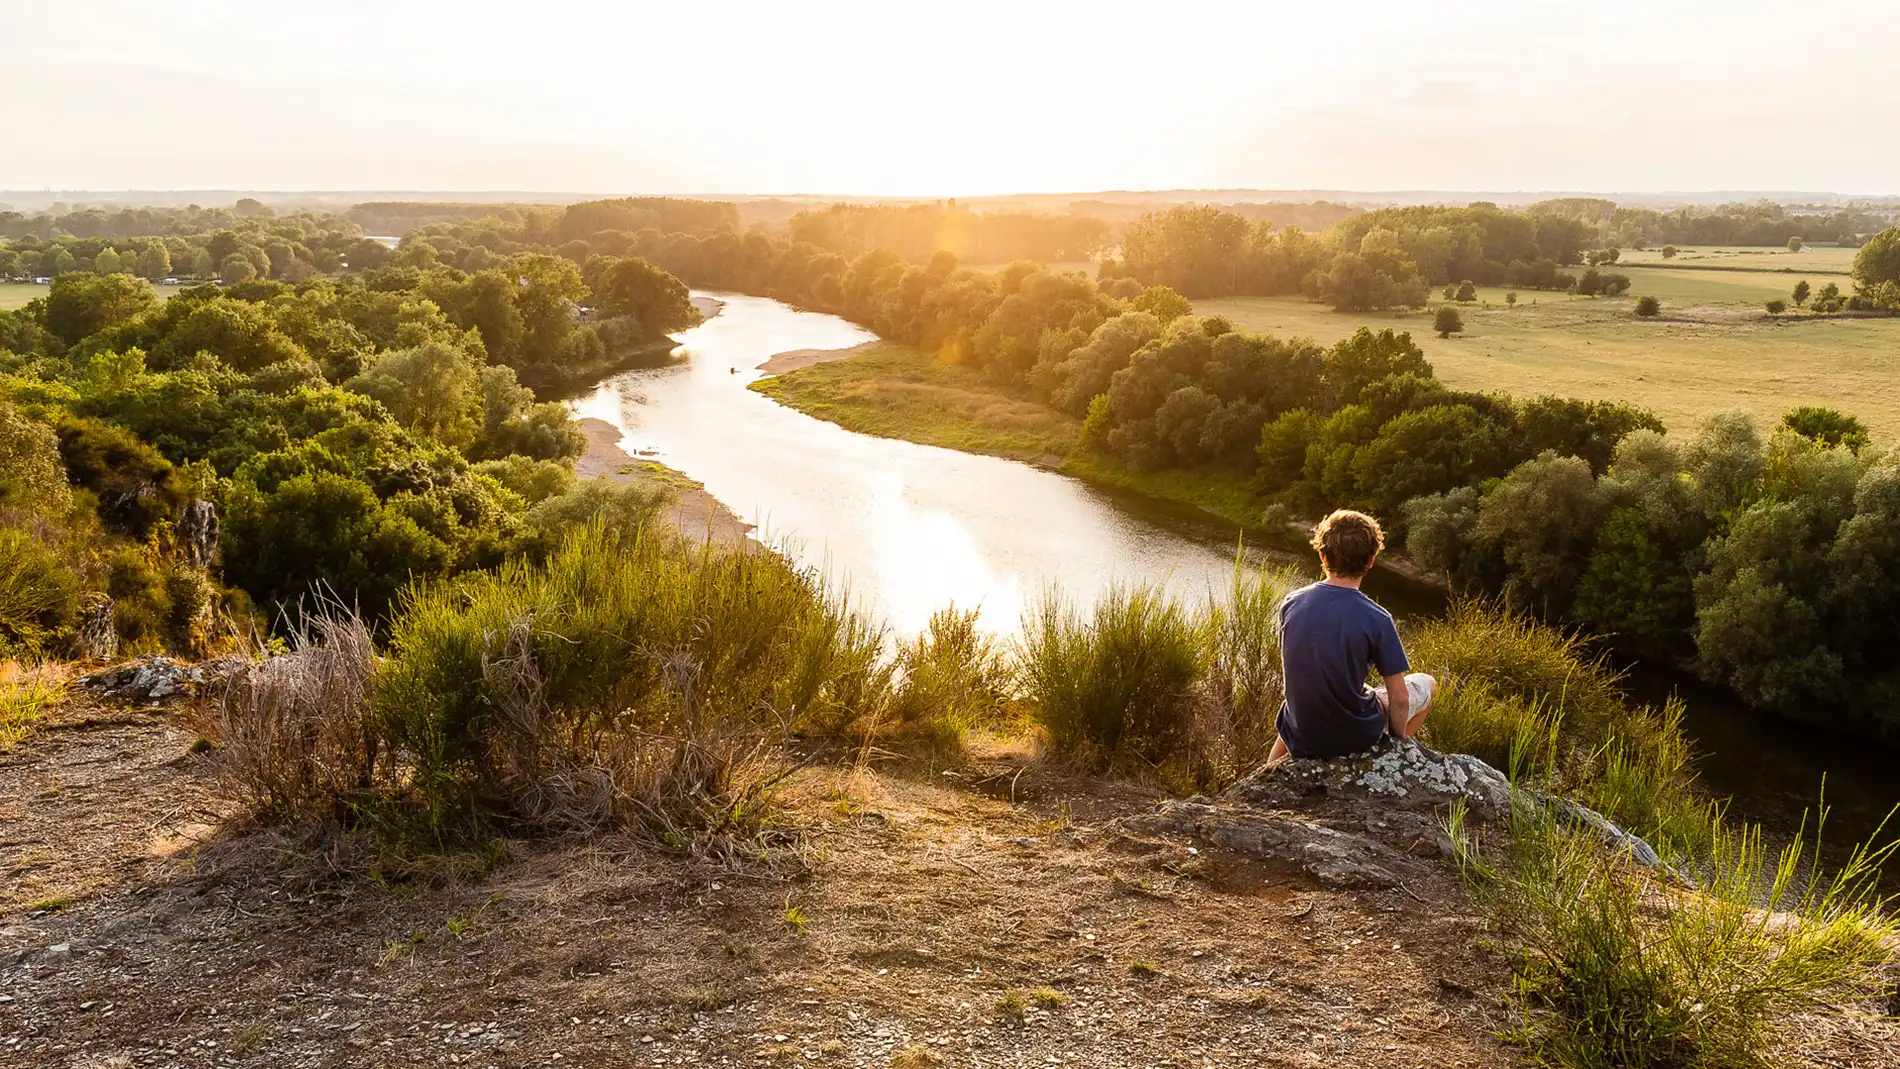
[{"x": 955, "y": 99}]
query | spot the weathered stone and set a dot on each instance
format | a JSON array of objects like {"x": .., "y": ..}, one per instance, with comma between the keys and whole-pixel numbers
[
  {"x": 1336, "y": 857},
  {"x": 1397, "y": 771},
  {"x": 155, "y": 679},
  {"x": 197, "y": 531}
]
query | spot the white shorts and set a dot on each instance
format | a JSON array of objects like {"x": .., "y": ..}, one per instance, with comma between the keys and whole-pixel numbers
[{"x": 1419, "y": 687}]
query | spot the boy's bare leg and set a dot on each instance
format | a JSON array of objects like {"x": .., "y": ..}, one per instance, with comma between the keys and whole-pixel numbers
[
  {"x": 1415, "y": 717},
  {"x": 1279, "y": 752}
]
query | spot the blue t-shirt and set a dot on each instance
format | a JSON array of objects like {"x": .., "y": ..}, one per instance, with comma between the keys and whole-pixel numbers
[{"x": 1329, "y": 636}]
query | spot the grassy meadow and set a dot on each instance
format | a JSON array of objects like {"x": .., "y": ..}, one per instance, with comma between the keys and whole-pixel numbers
[
  {"x": 19, "y": 294},
  {"x": 893, "y": 390},
  {"x": 1713, "y": 348}
]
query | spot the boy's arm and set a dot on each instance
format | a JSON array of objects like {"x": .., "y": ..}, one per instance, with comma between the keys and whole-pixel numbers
[{"x": 1398, "y": 706}]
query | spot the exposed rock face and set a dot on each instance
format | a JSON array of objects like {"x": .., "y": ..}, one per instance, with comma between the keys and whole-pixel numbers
[
  {"x": 197, "y": 530},
  {"x": 1365, "y": 820},
  {"x": 156, "y": 679}
]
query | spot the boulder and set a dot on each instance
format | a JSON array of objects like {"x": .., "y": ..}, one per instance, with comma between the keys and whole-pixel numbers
[{"x": 1361, "y": 821}]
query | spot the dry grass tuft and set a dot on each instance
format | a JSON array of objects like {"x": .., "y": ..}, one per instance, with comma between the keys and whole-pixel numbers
[{"x": 293, "y": 731}]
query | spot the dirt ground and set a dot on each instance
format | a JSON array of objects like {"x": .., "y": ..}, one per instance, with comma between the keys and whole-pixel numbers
[{"x": 978, "y": 916}]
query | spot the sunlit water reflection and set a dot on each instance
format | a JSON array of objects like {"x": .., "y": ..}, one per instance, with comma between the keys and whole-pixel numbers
[{"x": 908, "y": 528}]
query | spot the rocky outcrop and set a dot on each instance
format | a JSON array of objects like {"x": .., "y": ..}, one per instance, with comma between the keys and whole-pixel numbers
[{"x": 1368, "y": 819}]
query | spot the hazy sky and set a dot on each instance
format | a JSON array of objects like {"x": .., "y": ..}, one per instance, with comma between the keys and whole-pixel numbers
[{"x": 829, "y": 96}]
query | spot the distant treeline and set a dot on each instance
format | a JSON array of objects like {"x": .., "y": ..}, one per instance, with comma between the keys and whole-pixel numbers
[
  {"x": 1762, "y": 224},
  {"x": 195, "y": 243},
  {"x": 919, "y": 231}
]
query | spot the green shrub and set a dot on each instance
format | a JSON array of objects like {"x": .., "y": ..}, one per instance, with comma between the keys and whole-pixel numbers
[
  {"x": 1613, "y": 972},
  {"x": 1117, "y": 684},
  {"x": 545, "y": 692},
  {"x": 39, "y": 597},
  {"x": 1648, "y": 306},
  {"x": 952, "y": 680}
]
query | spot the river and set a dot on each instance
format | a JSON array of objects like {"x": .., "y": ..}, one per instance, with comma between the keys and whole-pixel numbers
[{"x": 910, "y": 528}]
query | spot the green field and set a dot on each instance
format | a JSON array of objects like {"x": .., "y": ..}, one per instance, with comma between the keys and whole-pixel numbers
[
  {"x": 1827, "y": 260},
  {"x": 17, "y": 294},
  {"x": 1713, "y": 348}
]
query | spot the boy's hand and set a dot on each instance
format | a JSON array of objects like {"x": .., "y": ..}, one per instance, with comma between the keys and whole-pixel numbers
[{"x": 1398, "y": 707}]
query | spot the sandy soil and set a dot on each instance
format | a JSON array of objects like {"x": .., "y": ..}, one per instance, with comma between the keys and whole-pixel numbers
[
  {"x": 792, "y": 360},
  {"x": 696, "y": 513}
]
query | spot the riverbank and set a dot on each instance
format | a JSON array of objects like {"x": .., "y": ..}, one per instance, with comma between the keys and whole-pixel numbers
[{"x": 689, "y": 508}]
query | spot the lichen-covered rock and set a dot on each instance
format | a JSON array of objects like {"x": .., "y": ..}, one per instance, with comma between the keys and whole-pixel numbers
[
  {"x": 1396, "y": 771},
  {"x": 155, "y": 679}
]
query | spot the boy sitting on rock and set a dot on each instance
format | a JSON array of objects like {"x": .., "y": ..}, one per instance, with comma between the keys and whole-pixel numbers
[{"x": 1330, "y": 634}]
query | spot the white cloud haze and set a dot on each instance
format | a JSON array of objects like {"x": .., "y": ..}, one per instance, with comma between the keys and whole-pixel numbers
[{"x": 968, "y": 98}]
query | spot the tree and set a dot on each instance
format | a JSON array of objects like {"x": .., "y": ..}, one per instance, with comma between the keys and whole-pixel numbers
[
  {"x": 1801, "y": 291},
  {"x": 1447, "y": 322},
  {"x": 202, "y": 265},
  {"x": 1827, "y": 426},
  {"x": 1648, "y": 306},
  {"x": 1615, "y": 285},
  {"x": 1777, "y": 307},
  {"x": 1510, "y": 299},
  {"x": 1591, "y": 283},
  {"x": 107, "y": 262},
  {"x": 1794, "y": 244},
  {"x": 79, "y": 306},
  {"x": 1163, "y": 303},
  {"x": 154, "y": 262},
  {"x": 1543, "y": 518},
  {"x": 1829, "y": 299},
  {"x": 1467, "y": 292},
  {"x": 659, "y": 302},
  {"x": 1879, "y": 260},
  {"x": 236, "y": 268},
  {"x": 1668, "y": 252}
]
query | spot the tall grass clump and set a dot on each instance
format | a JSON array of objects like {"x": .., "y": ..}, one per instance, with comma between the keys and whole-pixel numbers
[
  {"x": 1243, "y": 685},
  {"x": 1614, "y": 971},
  {"x": 1503, "y": 656},
  {"x": 1116, "y": 683},
  {"x": 954, "y": 680},
  {"x": 25, "y": 696},
  {"x": 631, "y": 676}
]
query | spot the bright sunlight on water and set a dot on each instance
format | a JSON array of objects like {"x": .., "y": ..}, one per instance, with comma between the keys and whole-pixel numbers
[{"x": 909, "y": 528}]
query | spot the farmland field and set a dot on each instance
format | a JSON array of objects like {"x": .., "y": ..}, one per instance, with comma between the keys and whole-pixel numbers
[{"x": 1706, "y": 353}]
